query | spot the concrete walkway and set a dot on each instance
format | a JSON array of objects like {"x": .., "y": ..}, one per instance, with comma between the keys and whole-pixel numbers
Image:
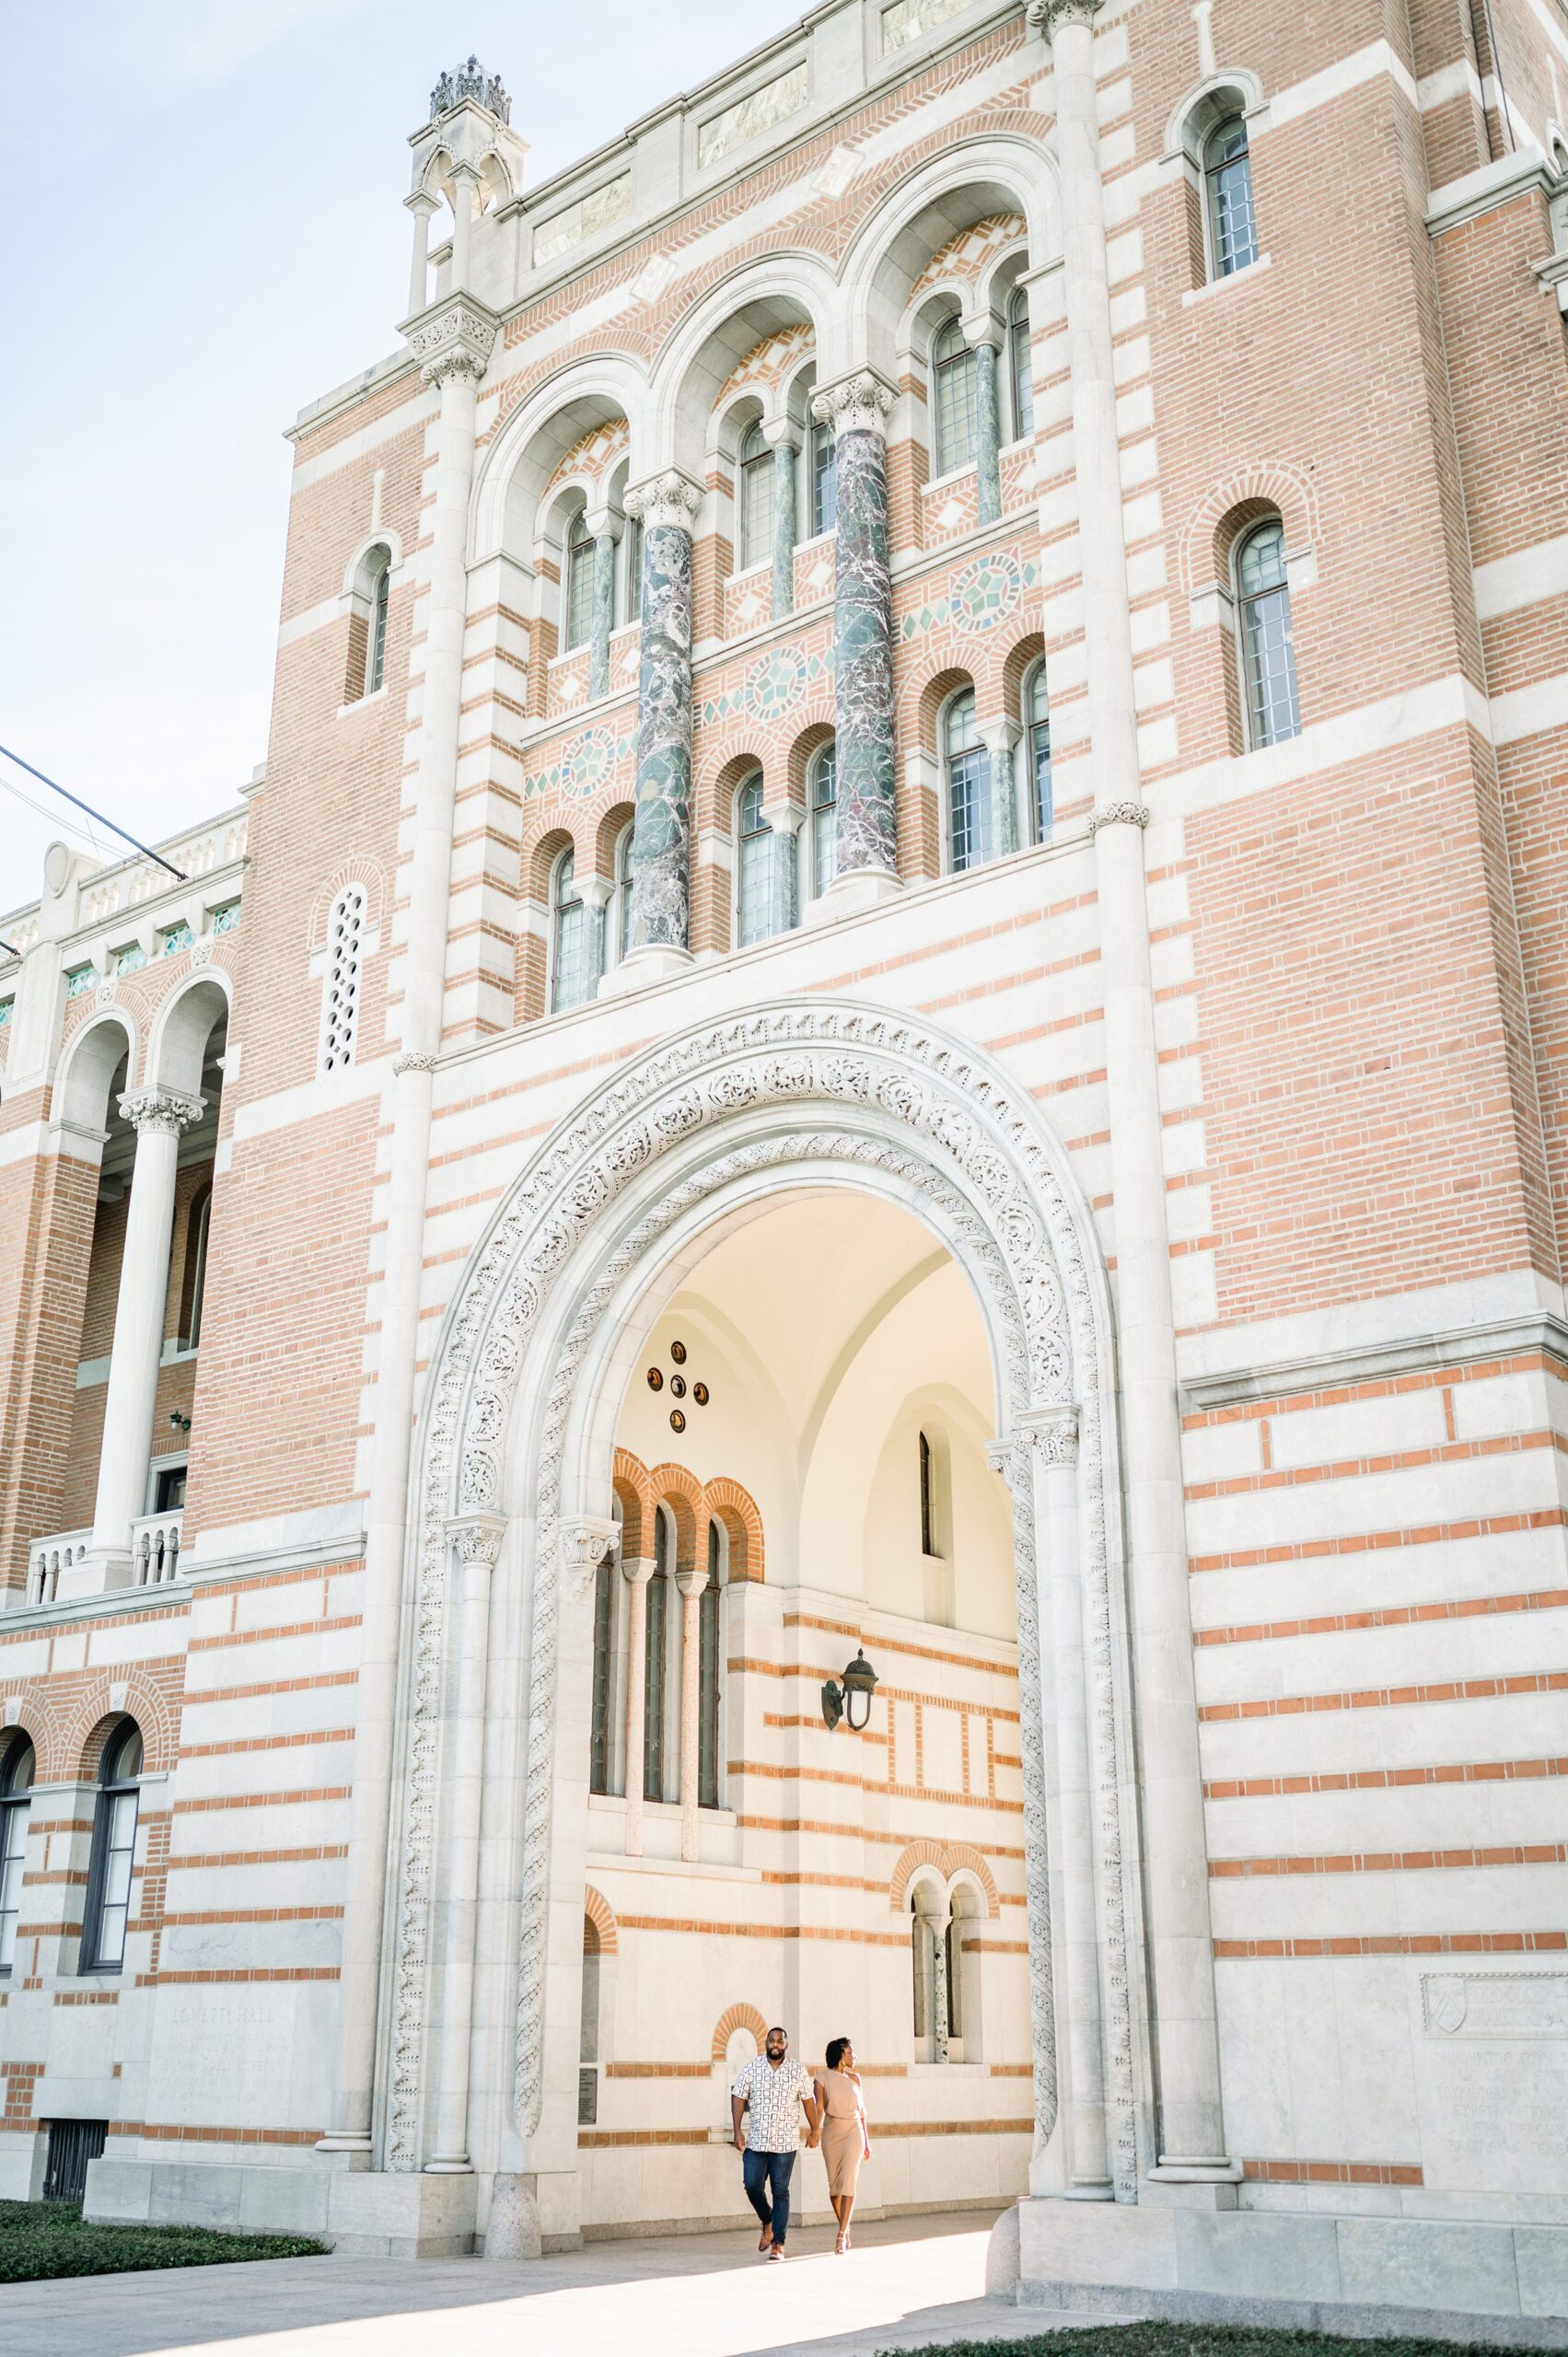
[{"x": 909, "y": 2283}]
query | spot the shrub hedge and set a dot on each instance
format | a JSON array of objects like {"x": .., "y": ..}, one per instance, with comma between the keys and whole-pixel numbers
[
  {"x": 41, "y": 2239},
  {"x": 1158, "y": 2339}
]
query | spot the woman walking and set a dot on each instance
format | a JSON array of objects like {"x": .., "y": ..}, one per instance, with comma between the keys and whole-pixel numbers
[{"x": 844, "y": 2140}]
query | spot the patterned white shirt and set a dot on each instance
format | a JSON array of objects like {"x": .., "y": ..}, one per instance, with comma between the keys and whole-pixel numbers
[{"x": 772, "y": 2100}]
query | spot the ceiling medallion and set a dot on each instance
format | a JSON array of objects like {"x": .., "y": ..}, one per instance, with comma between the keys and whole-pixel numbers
[
  {"x": 700, "y": 1393},
  {"x": 678, "y": 1352},
  {"x": 677, "y": 1387},
  {"x": 677, "y": 1421},
  {"x": 655, "y": 1378}
]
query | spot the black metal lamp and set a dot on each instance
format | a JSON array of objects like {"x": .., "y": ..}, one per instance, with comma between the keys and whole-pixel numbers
[{"x": 852, "y": 1699}]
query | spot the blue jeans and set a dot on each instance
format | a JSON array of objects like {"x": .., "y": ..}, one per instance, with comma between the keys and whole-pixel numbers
[{"x": 772, "y": 2170}]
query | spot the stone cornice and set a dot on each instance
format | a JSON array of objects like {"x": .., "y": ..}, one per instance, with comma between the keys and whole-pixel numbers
[
  {"x": 454, "y": 338},
  {"x": 1372, "y": 1361}
]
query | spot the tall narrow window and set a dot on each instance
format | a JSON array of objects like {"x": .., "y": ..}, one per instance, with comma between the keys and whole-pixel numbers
[
  {"x": 824, "y": 819},
  {"x": 755, "y": 497},
  {"x": 620, "y": 927},
  {"x": 1267, "y": 645},
  {"x": 958, "y": 398},
  {"x": 709, "y": 1615},
  {"x": 920, "y": 1957},
  {"x": 1228, "y": 174},
  {"x": 928, "y": 1500},
  {"x": 108, "y": 1908},
  {"x": 631, "y": 590},
  {"x": 587, "y": 2049},
  {"x": 968, "y": 816},
  {"x": 579, "y": 581},
  {"x": 1020, "y": 363},
  {"x": 824, "y": 478},
  {"x": 193, "y": 1278},
  {"x": 376, "y": 666},
  {"x": 16, "y": 1801},
  {"x": 954, "y": 1940},
  {"x": 754, "y": 862},
  {"x": 656, "y": 1678},
  {"x": 600, "y": 1750},
  {"x": 1036, "y": 719},
  {"x": 571, "y": 979},
  {"x": 340, "y": 1012}
]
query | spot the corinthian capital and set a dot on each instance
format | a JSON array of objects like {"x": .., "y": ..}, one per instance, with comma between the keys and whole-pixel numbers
[
  {"x": 1045, "y": 16},
  {"x": 477, "y": 1538},
  {"x": 167, "y": 1112},
  {"x": 455, "y": 339},
  {"x": 669, "y": 501},
  {"x": 856, "y": 405},
  {"x": 585, "y": 1543}
]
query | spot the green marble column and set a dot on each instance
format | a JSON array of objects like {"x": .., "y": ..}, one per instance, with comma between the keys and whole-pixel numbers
[
  {"x": 863, "y": 625},
  {"x": 784, "y": 526},
  {"x": 661, "y": 843},
  {"x": 602, "y": 620},
  {"x": 988, "y": 453}
]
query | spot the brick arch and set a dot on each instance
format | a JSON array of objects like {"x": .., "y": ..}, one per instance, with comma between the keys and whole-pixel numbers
[
  {"x": 728, "y": 1503},
  {"x": 38, "y": 1723},
  {"x": 81, "y": 1745},
  {"x": 947, "y": 1857},
  {"x": 636, "y": 1492},
  {"x": 370, "y": 876},
  {"x": 1203, "y": 546},
  {"x": 608, "y": 833},
  {"x": 1016, "y": 664},
  {"x": 678, "y": 1488},
  {"x": 541, "y": 861},
  {"x": 813, "y": 735},
  {"x": 923, "y": 699},
  {"x": 735, "y": 2017},
  {"x": 601, "y": 1915}
]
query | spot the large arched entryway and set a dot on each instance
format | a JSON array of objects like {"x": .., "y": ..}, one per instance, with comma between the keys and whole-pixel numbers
[{"x": 699, "y": 1179}]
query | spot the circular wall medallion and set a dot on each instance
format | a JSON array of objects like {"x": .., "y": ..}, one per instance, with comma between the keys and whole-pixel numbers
[
  {"x": 700, "y": 1393},
  {"x": 655, "y": 1378},
  {"x": 986, "y": 592},
  {"x": 776, "y": 682},
  {"x": 677, "y": 1387},
  {"x": 678, "y": 1352},
  {"x": 677, "y": 1421}
]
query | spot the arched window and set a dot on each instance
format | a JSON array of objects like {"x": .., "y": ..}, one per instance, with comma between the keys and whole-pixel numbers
[
  {"x": 193, "y": 1277},
  {"x": 710, "y": 1622},
  {"x": 928, "y": 1498},
  {"x": 1037, "y": 721},
  {"x": 824, "y": 477},
  {"x": 587, "y": 2075},
  {"x": 381, "y": 594},
  {"x": 958, "y": 398},
  {"x": 656, "y": 1675},
  {"x": 968, "y": 777},
  {"x": 824, "y": 805},
  {"x": 108, "y": 1908},
  {"x": 340, "y": 1012},
  {"x": 1227, "y": 178},
  {"x": 1268, "y": 646},
  {"x": 571, "y": 974},
  {"x": 755, "y": 497},
  {"x": 16, "y": 1801},
  {"x": 579, "y": 582},
  {"x": 754, "y": 865},
  {"x": 631, "y": 571},
  {"x": 618, "y": 925},
  {"x": 1020, "y": 363}
]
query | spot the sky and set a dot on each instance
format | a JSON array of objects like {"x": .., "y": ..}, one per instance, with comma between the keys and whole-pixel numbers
[{"x": 211, "y": 235}]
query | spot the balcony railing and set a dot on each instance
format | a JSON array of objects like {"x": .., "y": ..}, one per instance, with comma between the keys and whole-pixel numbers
[
  {"x": 154, "y": 1548},
  {"x": 48, "y": 1558}
]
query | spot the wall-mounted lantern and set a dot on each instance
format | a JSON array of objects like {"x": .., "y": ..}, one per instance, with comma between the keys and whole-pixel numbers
[{"x": 852, "y": 1699}]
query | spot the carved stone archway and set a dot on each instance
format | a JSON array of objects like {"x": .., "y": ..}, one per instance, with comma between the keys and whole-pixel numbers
[{"x": 818, "y": 1092}]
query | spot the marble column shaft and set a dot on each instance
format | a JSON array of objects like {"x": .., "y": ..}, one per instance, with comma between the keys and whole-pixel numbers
[
  {"x": 1190, "y": 2119},
  {"x": 784, "y": 527},
  {"x": 662, "y": 821},
  {"x": 602, "y": 620},
  {"x": 988, "y": 439},
  {"x": 692, "y": 1586},
  {"x": 638, "y": 1572},
  {"x": 863, "y": 627}
]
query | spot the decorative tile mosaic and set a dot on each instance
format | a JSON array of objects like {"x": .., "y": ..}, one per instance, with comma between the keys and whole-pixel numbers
[
  {"x": 593, "y": 454},
  {"x": 768, "y": 363},
  {"x": 987, "y": 590},
  {"x": 970, "y": 254},
  {"x": 774, "y": 102},
  {"x": 773, "y": 686},
  {"x": 583, "y": 220},
  {"x": 584, "y": 766},
  {"x": 906, "y": 20}
]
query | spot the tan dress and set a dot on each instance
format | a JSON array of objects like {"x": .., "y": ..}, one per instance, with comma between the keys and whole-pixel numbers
[{"x": 843, "y": 2132}]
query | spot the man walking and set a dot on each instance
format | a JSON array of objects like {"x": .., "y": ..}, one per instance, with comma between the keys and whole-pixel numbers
[{"x": 765, "y": 2105}]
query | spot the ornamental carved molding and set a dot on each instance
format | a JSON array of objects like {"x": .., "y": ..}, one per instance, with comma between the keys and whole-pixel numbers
[
  {"x": 412, "y": 1060},
  {"x": 857, "y": 404},
  {"x": 1046, "y": 16},
  {"x": 162, "y": 1112},
  {"x": 476, "y": 1539},
  {"x": 669, "y": 502},
  {"x": 733, "y": 1103},
  {"x": 1117, "y": 814},
  {"x": 585, "y": 1543},
  {"x": 456, "y": 339}
]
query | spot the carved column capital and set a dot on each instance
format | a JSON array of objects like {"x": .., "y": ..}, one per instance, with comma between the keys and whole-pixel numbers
[
  {"x": 638, "y": 1568},
  {"x": 1046, "y": 16},
  {"x": 454, "y": 338},
  {"x": 412, "y": 1060},
  {"x": 166, "y": 1112},
  {"x": 693, "y": 1582},
  {"x": 585, "y": 1543},
  {"x": 1051, "y": 1434},
  {"x": 860, "y": 403},
  {"x": 669, "y": 499},
  {"x": 1117, "y": 814},
  {"x": 476, "y": 1539}
]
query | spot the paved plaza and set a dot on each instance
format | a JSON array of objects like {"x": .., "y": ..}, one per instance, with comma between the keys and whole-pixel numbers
[{"x": 909, "y": 2283}]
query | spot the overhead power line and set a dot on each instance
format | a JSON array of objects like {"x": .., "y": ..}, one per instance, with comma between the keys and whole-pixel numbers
[{"x": 147, "y": 852}]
